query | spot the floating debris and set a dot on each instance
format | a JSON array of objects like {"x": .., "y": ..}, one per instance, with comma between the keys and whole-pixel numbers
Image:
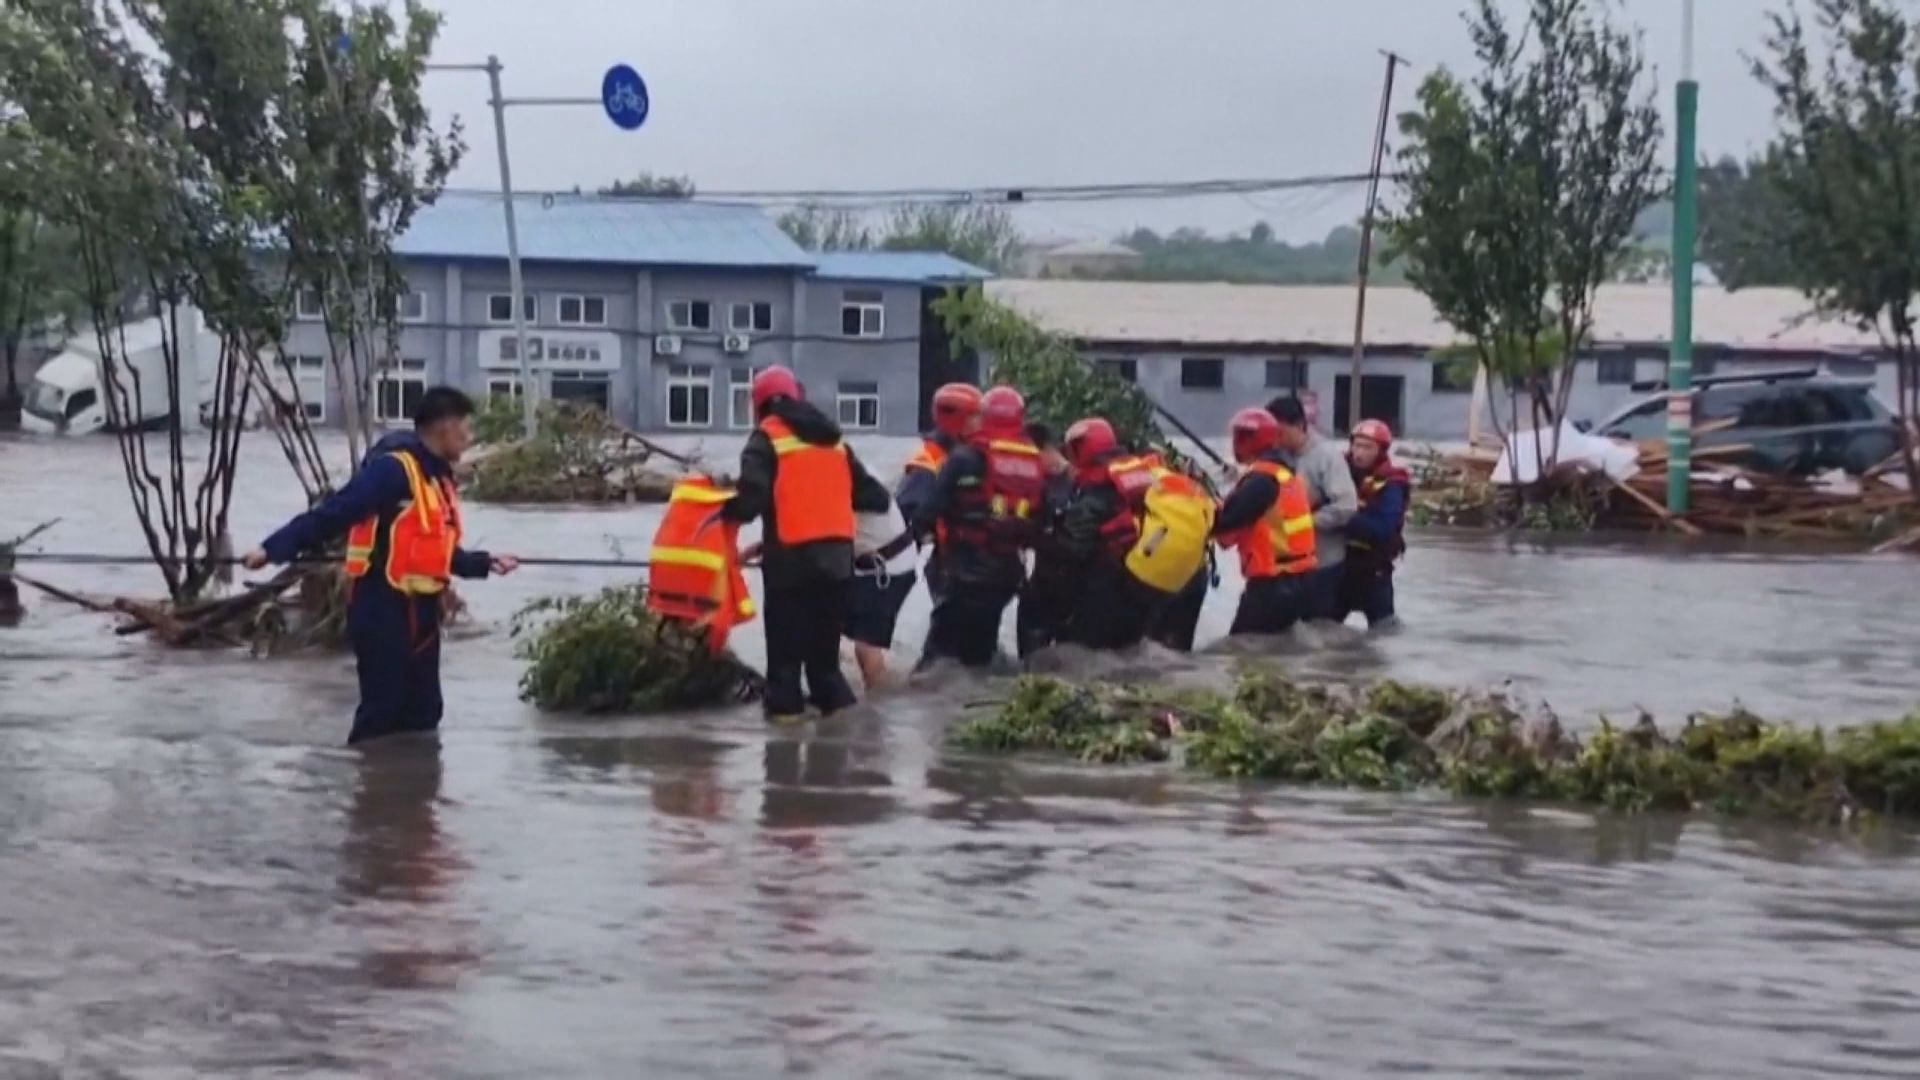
[
  {"x": 1395, "y": 736},
  {"x": 579, "y": 455},
  {"x": 608, "y": 653}
]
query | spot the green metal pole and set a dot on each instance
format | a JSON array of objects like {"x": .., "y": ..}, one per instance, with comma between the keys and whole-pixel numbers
[{"x": 1680, "y": 359}]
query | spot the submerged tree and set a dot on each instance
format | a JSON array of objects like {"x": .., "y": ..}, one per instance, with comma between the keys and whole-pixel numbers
[
  {"x": 1520, "y": 189},
  {"x": 1845, "y": 170}
]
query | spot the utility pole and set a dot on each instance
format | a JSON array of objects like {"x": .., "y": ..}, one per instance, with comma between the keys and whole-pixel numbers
[
  {"x": 528, "y": 396},
  {"x": 1394, "y": 61},
  {"x": 1680, "y": 358}
]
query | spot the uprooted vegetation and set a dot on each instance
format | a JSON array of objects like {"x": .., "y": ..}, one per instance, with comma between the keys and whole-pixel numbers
[
  {"x": 577, "y": 455},
  {"x": 1395, "y": 736},
  {"x": 608, "y": 653}
]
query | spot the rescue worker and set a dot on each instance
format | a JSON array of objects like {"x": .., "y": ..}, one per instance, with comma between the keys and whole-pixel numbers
[
  {"x": 1375, "y": 535},
  {"x": 693, "y": 568},
  {"x": 1268, "y": 518},
  {"x": 886, "y": 564},
  {"x": 1322, "y": 465},
  {"x": 1096, "y": 528},
  {"x": 800, "y": 478},
  {"x": 401, "y": 519},
  {"x": 1047, "y": 598},
  {"x": 987, "y": 504},
  {"x": 956, "y": 409}
]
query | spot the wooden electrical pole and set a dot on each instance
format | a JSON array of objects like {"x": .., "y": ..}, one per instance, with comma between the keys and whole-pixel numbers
[{"x": 1394, "y": 61}]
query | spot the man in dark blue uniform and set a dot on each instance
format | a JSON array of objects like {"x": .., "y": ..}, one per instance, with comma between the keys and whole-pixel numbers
[{"x": 402, "y": 521}]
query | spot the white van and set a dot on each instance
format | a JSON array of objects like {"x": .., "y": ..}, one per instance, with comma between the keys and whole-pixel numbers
[{"x": 67, "y": 395}]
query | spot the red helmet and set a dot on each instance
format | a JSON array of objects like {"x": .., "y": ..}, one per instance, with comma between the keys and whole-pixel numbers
[
  {"x": 1003, "y": 411},
  {"x": 1254, "y": 432},
  {"x": 953, "y": 405},
  {"x": 1088, "y": 439},
  {"x": 1375, "y": 431},
  {"x": 774, "y": 382}
]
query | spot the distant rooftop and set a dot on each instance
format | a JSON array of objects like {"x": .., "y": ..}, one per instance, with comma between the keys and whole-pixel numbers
[
  {"x": 1203, "y": 314},
  {"x": 591, "y": 229},
  {"x": 924, "y": 267}
]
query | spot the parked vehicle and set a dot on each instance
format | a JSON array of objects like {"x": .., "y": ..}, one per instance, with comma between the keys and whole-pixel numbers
[
  {"x": 1793, "y": 421},
  {"x": 68, "y": 395}
]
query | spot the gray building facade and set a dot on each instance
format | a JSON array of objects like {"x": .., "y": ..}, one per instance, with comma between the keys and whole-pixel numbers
[{"x": 657, "y": 311}]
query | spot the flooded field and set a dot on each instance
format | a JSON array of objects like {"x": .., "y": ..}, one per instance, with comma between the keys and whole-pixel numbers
[{"x": 200, "y": 881}]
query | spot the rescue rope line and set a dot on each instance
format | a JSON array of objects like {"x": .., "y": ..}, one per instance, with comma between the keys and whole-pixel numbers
[{"x": 75, "y": 558}]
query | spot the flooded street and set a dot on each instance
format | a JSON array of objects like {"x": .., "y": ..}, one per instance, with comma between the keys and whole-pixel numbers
[{"x": 200, "y": 881}]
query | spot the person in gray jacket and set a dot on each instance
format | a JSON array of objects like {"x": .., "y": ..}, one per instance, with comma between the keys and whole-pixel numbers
[{"x": 1323, "y": 465}]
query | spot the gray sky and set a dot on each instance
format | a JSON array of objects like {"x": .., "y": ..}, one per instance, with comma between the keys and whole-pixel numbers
[{"x": 905, "y": 93}]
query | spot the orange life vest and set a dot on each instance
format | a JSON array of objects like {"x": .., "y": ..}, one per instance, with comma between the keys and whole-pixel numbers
[
  {"x": 812, "y": 487},
  {"x": 693, "y": 574},
  {"x": 929, "y": 457},
  {"x": 1281, "y": 542},
  {"x": 421, "y": 540}
]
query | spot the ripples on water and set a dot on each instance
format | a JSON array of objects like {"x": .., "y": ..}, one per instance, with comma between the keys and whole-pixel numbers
[{"x": 199, "y": 882}]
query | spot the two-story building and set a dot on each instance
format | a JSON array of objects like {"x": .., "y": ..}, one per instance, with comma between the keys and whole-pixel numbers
[{"x": 658, "y": 311}]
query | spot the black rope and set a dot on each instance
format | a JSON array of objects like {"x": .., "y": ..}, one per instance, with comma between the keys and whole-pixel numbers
[{"x": 71, "y": 558}]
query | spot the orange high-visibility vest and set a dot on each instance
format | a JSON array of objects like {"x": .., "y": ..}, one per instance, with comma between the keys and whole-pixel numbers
[
  {"x": 1281, "y": 542},
  {"x": 421, "y": 540},
  {"x": 693, "y": 573},
  {"x": 812, "y": 487},
  {"x": 930, "y": 456}
]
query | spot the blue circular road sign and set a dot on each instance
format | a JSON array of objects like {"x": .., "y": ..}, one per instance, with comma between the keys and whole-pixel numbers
[{"x": 624, "y": 94}]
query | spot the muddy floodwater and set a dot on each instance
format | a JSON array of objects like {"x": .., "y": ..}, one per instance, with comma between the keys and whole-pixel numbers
[{"x": 197, "y": 880}]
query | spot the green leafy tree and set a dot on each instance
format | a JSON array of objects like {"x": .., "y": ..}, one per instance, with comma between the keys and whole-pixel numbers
[
  {"x": 981, "y": 234},
  {"x": 649, "y": 186},
  {"x": 1520, "y": 189},
  {"x": 1189, "y": 254},
  {"x": 818, "y": 227},
  {"x": 1741, "y": 215},
  {"x": 1845, "y": 171}
]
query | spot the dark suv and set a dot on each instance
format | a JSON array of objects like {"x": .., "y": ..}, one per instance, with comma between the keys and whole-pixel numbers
[{"x": 1795, "y": 421}]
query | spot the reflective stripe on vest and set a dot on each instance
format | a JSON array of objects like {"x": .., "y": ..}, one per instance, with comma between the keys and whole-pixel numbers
[
  {"x": 929, "y": 457},
  {"x": 812, "y": 488},
  {"x": 420, "y": 541},
  {"x": 1281, "y": 543}
]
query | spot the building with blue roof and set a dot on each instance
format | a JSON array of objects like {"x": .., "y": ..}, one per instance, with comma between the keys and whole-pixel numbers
[{"x": 657, "y": 310}]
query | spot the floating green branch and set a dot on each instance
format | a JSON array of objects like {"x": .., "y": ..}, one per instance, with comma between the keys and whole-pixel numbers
[
  {"x": 608, "y": 653},
  {"x": 1395, "y": 736}
]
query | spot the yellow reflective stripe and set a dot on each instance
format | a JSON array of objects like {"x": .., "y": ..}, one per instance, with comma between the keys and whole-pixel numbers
[
  {"x": 696, "y": 494},
  {"x": 746, "y": 607},
  {"x": 787, "y": 444},
  {"x": 1294, "y": 525},
  {"x": 1007, "y": 446},
  {"x": 681, "y": 556},
  {"x": 424, "y": 504}
]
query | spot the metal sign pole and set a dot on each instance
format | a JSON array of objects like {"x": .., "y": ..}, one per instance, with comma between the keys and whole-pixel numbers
[
  {"x": 1680, "y": 358},
  {"x": 528, "y": 392}
]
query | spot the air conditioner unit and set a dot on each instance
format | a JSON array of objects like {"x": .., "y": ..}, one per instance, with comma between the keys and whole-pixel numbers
[
  {"x": 736, "y": 343},
  {"x": 666, "y": 344}
]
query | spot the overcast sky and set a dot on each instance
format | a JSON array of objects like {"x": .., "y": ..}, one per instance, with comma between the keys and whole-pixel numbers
[{"x": 754, "y": 94}]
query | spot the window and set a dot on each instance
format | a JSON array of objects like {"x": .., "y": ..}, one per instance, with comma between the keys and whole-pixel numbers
[
  {"x": 1454, "y": 376},
  {"x": 1616, "y": 370},
  {"x": 859, "y": 405},
  {"x": 1646, "y": 421},
  {"x": 582, "y": 311},
  {"x": 81, "y": 401},
  {"x": 862, "y": 315},
  {"x": 410, "y": 307},
  {"x": 310, "y": 381},
  {"x": 689, "y": 396},
  {"x": 504, "y": 387},
  {"x": 1850, "y": 369},
  {"x": 1286, "y": 374},
  {"x": 754, "y": 318},
  {"x": 1203, "y": 374},
  {"x": 1125, "y": 370},
  {"x": 306, "y": 305},
  {"x": 500, "y": 308},
  {"x": 589, "y": 389},
  {"x": 397, "y": 391},
  {"x": 690, "y": 314},
  {"x": 740, "y": 398}
]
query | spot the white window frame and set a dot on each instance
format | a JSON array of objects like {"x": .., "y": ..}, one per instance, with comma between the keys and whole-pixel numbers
[
  {"x": 529, "y": 309},
  {"x": 844, "y": 397},
  {"x": 301, "y": 311},
  {"x": 560, "y": 309},
  {"x": 857, "y": 300},
  {"x": 740, "y": 397},
  {"x": 310, "y": 380},
  {"x": 681, "y": 322},
  {"x": 688, "y": 377},
  {"x": 408, "y": 370},
  {"x": 751, "y": 325},
  {"x": 507, "y": 386}
]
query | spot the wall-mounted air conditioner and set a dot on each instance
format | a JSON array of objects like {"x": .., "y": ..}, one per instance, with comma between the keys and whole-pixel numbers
[
  {"x": 736, "y": 344},
  {"x": 666, "y": 344}
]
